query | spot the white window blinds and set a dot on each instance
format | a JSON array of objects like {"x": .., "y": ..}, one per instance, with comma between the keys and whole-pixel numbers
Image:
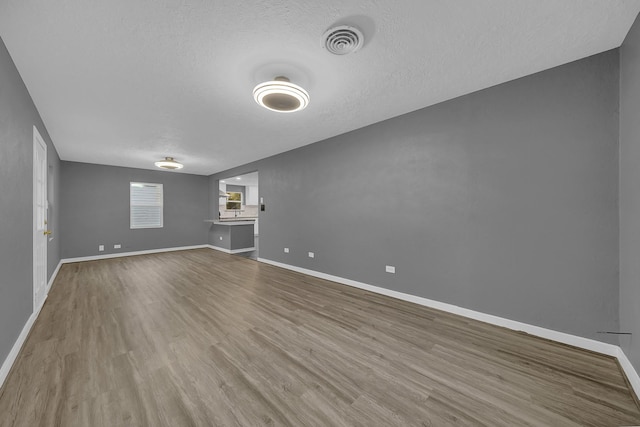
[{"x": 145, "y": 205}]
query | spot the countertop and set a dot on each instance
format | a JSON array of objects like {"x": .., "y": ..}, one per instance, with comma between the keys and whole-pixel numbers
[{"x": 232, "y": 221}]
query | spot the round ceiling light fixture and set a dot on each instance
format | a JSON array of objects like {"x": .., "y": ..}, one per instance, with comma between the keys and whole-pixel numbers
[
  {"x": 281, "y": 95},
  {"x": 169, "y": 163}
]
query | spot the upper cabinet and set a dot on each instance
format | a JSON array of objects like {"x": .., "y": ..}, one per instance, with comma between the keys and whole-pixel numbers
[{"x": 251, "y": 194}]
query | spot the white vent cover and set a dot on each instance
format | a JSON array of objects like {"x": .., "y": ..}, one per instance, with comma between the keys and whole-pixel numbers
[{"x": 342, "y": 40}]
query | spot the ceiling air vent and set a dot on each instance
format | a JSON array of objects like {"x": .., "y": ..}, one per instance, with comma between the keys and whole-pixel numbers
[{"x": 342, "y": 40}]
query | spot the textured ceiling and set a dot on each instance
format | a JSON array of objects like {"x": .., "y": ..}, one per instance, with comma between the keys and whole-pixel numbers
[{"x": 128, "y": 82}]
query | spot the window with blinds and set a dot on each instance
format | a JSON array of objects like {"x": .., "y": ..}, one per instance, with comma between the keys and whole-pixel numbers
[{"x": 146, "y": 202}]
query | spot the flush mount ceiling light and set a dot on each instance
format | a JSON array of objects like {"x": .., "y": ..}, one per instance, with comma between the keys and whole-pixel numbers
[
  {"x": 281, "y": 95},
  {"x": 169, "y": 163}
]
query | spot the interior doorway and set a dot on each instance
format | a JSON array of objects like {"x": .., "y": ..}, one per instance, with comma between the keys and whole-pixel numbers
[
  {"x": 240, "y": 201},
  {"x": 40, "y": 231}
]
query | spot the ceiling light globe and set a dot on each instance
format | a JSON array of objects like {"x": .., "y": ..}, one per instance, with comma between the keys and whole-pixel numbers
[
  {"x": 169, "y": 163},
  {"x": 281, "y": 96}
]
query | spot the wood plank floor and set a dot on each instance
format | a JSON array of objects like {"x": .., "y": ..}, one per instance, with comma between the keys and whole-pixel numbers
[{"x": 204, "y": 338}]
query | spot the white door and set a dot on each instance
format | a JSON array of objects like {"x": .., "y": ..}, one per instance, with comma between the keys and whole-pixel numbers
[{"x": 40, "y": 231}]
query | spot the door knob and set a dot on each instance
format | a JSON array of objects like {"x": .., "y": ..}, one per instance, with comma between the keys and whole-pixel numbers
[{"x": 47, "y": 232}]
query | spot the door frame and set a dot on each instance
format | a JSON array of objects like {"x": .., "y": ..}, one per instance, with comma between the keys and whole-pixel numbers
[{"x": 38, "y": 143}]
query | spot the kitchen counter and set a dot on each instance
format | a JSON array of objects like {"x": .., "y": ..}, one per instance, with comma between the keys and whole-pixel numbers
[
  {"x": 232, "y": 221},
  {"x": 232, "y": 236}
]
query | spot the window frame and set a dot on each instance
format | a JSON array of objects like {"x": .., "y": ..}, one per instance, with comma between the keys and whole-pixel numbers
[
  {"x": 160, "y": 205},
  {"x": 235, "y": 202}
]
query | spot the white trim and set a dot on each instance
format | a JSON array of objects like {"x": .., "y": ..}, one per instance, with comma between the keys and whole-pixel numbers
[
  {"x": 232, "y": 251},
  {"x": 124, "y": 254},
  {"x": 218, "y": 248},
  {"x": 53, "y": 277},
  {"x": 629, "y": 371},
  {"x": 585, "y": 343},
  {"x": 39, "y": 144},
  {"x": 17, "y": 346},
  {"x": 230, "y": 223},
  {"x": 574, "y": 340},
  {"x": 239, "y": 251},
  {"x": 134, "y": 202}
]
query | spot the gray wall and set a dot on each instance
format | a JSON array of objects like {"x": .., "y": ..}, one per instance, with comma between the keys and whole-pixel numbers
[
  {"x": 502, "y": 201},
  {"x": 95, "y": 210},
  {"x": 630, "y": 194},
  {"x": 18, "y": 115}
]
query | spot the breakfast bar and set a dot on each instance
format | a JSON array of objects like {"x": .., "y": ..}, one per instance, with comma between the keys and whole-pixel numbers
[{"x": 233, "y": 235}]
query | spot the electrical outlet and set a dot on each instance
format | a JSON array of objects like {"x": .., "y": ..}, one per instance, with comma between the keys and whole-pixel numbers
[
  {"x": 286, "y": 250},
  {"x": 220, "y": 237},
  {"x": 312, "y": 255},
  {"x": 101, "y": 248},
  {"x": 117, "y": 246},
  {"x": 390, "y": 269}
]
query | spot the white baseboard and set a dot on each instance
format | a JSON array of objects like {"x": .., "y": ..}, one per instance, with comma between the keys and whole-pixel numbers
[
  {"x": 17, "y": 346},
  {"x": 53, "y": 277},
  {"x": 550, "y": 334},
  {"x": 574, "y": 340},
  {"x": 134, "y": 253},
  {"x": 581, "y": 342},
  {"x": 15, "y": 350},
  {"x": 629, "y": 370},
  {"x": 232, "y": 251}
]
